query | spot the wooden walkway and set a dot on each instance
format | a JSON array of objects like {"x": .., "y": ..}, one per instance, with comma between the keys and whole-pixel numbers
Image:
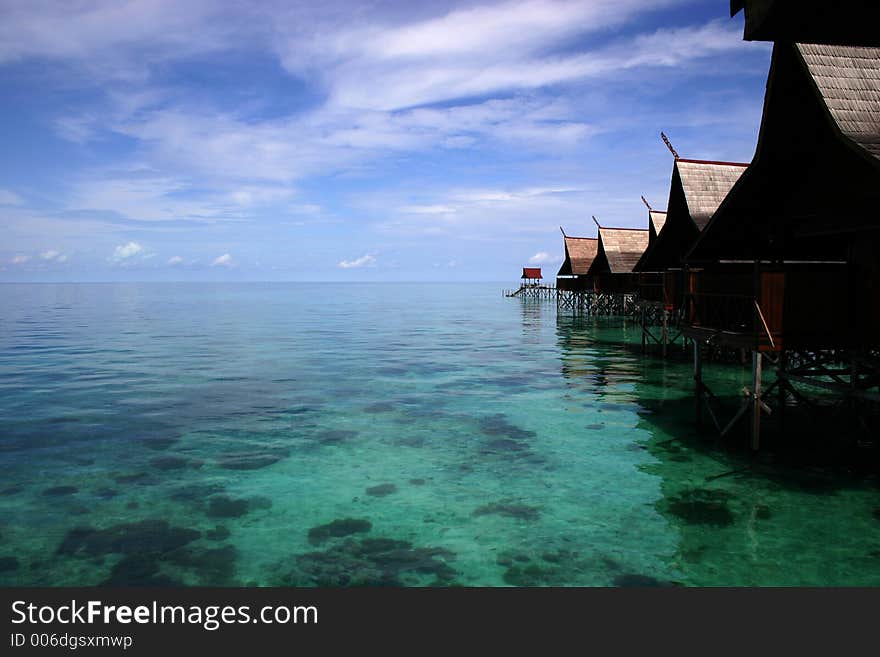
[{"x": 532, "y": 292}]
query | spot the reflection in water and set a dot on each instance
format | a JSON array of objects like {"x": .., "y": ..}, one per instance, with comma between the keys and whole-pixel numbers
[
  {"x": 534, "y": 314},
  {"x": 592, "y": 361}
]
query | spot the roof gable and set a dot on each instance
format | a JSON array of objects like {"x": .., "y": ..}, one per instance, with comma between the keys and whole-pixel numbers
[
  {"x": 579, "y": 255},
  {"x": 622, "y": 248},
  {"x": 697, "y": 189},
  {"x": 705, "y": 184}
]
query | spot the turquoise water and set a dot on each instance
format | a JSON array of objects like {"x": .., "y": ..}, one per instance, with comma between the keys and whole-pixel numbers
[{"x": 284, "y": 434}]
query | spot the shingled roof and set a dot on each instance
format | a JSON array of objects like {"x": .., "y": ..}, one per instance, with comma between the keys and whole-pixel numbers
[
  {"x": 814, "y": 185},
  {"x": 705, "y": 184},
  {"x": 657, "y": 219},
  {"x": 848, "y": 80},
  {"x": 579, "y": 255},
  {"x": 623, "y": 247}
]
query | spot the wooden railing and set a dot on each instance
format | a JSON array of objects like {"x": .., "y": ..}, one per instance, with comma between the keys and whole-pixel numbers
[{"x": 731, "y": 313}]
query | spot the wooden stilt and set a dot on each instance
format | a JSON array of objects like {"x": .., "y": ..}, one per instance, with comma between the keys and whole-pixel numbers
[
  {"x": 781, "y": 385},
  {"x": 756, "y": 399},
  {"x": 698, "y": 385},
  {"x": 665, "y": 331}
]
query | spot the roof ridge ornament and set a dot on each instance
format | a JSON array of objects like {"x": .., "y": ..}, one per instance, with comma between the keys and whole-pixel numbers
[
  {"x": 647, "y": 205},
  {"x": 668, "y": 145}
]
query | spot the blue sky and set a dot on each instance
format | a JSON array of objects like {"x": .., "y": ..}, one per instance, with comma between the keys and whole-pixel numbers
[{"x": 386, "y": 140}]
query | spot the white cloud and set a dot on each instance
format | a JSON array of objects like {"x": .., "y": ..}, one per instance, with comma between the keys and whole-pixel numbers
[
  {"x": 52, "y": 254},
  {"x": 410, "y": 85},
  {"x": 544, "y": 258},
  {"x": 476, "y": 51},
  {"x": 112, "y": 40},
  {"x": 224, "y": 260},
  {"x": 8, "y": 197},
  {"x": 371, "y": 73},
  {"x": 19, "y": 259},
  {"x": 126, "y": 251},
  {"x": 512, "y": 196},
  {"x": 175, "y": 260},
  {"x": 364, "y": 261},
  {"x": 326, "y": 140}
]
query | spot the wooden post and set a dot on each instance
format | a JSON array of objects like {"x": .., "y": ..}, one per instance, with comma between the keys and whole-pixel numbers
[
  {"x": 781, "y": 383},
  {"x": 698, "y": 384},
  {"x": 644, "y": 337},
  {"x": 756, "y": 399},
  {"x": 853, "y": 372},
  {"x": 665, "y": 330}
]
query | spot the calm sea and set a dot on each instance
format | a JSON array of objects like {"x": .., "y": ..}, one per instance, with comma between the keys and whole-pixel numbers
[{"x": 414, "y": 434}]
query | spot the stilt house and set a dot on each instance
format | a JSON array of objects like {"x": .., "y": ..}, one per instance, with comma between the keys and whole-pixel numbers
[{"x": 579, "y": 255}]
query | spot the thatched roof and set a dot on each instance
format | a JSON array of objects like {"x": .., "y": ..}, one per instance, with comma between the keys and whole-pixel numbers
[
  {"x": 844, "y": 22},
  {"x": 657, "y": 219},
  {"x": 705, "y": 184},
  {"x": 579, "y": 255},
  {"x": 848, "y": 80},
  {"x": 622, "y": 248}
]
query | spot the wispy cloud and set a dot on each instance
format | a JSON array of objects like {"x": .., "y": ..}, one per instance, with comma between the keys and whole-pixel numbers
[
  {"x": 105, "y": 39},
  {"x": 144, "y": 195},
  {"x": 364, "y": 261},
  {"x": 513, "y": 46},
  {"x": 8, "y": 197},
  {"x": 464, "y": 52},
  {"x": 224, "y": 260},
  {"x": 175, "y": 260},
  {"x": 544, "y": 258},
  {"x": 53, "y": 254},
  {"x": 436, "y": 66},
  {"x": 19, "y": 259},
  {"x": 490, "y": 213},
  {"x": 427, "y": 209}
]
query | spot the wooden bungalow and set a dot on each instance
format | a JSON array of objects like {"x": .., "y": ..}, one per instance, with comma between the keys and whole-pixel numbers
[
  {"x": 531, "y": 276},
  {"x": 696, "y": 191},
  {"x": 579, "y": 255},
  {"x": 790, "y": 262},
  {"x": 843, "y": 22},
  {"x": 619, "y": 249}
]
